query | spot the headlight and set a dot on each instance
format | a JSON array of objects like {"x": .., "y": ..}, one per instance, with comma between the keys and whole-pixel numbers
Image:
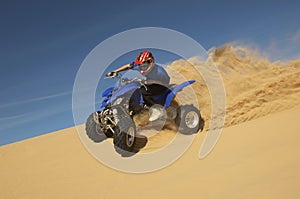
[{"x": 117, "y": 101}]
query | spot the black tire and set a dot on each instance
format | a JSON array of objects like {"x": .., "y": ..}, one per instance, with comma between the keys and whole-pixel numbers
[
  {"x": 189, "y": 120},
  {"x": 94, "y": 131},
  {"x": 125, "y": 136}
]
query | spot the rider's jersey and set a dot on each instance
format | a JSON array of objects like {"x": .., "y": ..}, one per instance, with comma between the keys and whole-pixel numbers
[{"x": 158, "y": 73}]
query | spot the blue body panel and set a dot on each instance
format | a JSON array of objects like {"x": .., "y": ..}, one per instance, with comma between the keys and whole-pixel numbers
[
  {"x": 104, "y": 103},
  {"x": 176, "y": 90},
  {"x": 111, "y": 94},
  {"x": 107, "y": 92},
  {"x": 131, "y": 87},
  {"x": 125, "y": 89}
]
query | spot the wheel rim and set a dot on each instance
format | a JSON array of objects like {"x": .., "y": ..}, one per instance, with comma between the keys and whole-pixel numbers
[
  {"x": 191, "y": 119},
  {"x": 130, "y": 137},
  {"x": 99, "y": 130}
]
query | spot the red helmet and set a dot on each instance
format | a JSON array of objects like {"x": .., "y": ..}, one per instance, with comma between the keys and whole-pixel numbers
[{"x": 145, "y": 60}]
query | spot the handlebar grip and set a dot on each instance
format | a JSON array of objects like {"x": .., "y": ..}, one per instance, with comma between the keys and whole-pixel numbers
[{"x": 112, "y": 74}]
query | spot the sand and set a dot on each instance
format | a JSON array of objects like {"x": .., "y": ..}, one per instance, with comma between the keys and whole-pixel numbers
[
  {"x": 257, "y": 155},
  {"x": 257, "y": 159}
]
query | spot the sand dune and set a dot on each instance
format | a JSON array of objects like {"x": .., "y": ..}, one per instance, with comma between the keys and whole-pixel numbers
[{"x": 256, "y": 157}]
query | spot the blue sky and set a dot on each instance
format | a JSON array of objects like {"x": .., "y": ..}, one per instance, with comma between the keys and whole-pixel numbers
[{"x": 43, "y": 43}]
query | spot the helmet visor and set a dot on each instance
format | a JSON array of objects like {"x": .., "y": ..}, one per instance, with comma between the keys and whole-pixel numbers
[{"x": 145, "y": 65}]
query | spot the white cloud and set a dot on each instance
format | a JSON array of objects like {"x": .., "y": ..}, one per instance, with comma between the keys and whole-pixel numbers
[
  {"x": 35, "y": 99},
  {"x": 11, "y": 121},
  {"x": 22, "y": 118},
  {"x": 13, "y": 117}
]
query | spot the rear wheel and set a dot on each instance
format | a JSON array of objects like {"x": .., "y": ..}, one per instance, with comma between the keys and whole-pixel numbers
[
  {"x": 125, "y": 136},
  {"x": 94, "y": 131},
  {"x": 189, "y": 120}
]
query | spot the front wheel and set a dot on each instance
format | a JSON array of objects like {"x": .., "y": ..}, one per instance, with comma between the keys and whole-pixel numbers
[
  {"x": 94, "y": 131},
  {"x": 125, "y": 136},
  {"x": 189, "y": 119}
]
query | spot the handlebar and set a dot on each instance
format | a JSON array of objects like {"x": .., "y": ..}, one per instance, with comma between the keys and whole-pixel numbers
[
  {"x": 113, "y": 75},
  {"x": 125, "y": 81}
]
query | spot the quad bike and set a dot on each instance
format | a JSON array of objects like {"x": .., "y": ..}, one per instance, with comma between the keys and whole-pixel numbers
[{"x": 128, "y": 98}]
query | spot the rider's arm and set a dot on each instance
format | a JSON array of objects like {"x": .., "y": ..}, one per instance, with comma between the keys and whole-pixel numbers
[
  {"x": 125, "y": 67},
  {"x": 122, "y": 68}
]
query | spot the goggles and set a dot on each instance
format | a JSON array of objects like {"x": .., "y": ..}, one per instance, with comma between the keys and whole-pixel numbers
[{"x": 145, "y": 65}]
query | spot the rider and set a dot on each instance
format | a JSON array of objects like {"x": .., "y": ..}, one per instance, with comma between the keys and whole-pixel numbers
[{"x": 145, "y": 64}]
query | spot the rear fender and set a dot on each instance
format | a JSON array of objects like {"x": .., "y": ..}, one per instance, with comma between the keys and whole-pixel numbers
[{"x": 175, "y": 90}]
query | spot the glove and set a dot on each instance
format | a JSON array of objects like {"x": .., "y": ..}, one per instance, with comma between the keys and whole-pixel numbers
[{"x": 111, "y": 74}]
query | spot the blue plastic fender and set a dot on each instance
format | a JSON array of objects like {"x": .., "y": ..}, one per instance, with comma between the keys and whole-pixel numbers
[
  {"x": 104, "y": 103},
  {"x": 176, "y": 90},
  {"x": 110, "y": 96},
  {"x": 107, "y": 91},
  {"x": 123, "y": 90}
]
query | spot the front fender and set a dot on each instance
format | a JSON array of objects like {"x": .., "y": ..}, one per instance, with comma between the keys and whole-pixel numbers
[
  {"x": 107, "y": 92},
  {"x": 129, "y": 88},
  {"x": 176, "y": 90}
]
